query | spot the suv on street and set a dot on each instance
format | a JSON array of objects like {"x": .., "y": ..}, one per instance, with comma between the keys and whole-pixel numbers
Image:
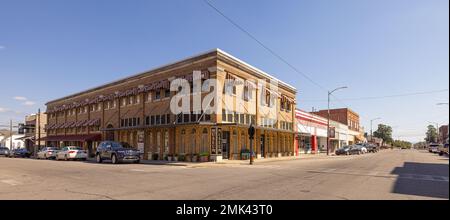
[
  {"x": 4, "y": 151},
  {"x": 433, "y": 148},
  {"x": 443, "y": 150},
  {"x": 117, "y": 152}
]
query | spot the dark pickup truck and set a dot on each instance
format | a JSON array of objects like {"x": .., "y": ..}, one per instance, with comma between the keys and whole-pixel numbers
[{"x": 117, "y": 152}]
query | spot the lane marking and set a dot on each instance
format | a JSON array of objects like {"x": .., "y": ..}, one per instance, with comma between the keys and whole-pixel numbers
[{"x": 11, "y": 182}]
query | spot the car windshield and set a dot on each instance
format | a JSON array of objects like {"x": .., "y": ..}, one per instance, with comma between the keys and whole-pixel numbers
[
  {"x": 126, "y": 145},
  {"x": 74, "y": 148},
  {"x": 51, "y": 148}
]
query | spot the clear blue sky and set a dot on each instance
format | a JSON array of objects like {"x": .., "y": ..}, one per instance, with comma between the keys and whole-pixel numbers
[{"x": 52, "y": 48}]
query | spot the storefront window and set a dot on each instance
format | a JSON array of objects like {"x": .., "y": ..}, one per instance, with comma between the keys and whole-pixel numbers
[
  {"x": 166, "y": 141},
  {"x": 182, "y": 142},
  {"x": 158, "y": 142},
  {"x": 205, "y": 140},
  {"x": 193, "y": 140}
]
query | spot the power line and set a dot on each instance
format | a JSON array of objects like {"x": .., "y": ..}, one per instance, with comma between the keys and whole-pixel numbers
[
  {"x": 263, "y": 45},
  {"x": 384, "y": 97}
]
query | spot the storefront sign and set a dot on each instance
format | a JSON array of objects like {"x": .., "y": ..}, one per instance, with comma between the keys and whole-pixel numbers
[{"x": 140, "y": 142}]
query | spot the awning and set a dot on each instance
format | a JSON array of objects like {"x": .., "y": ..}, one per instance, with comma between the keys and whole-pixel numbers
[
  {"x": 25, "y": 138},
  {"x": 88, "y": 137}
]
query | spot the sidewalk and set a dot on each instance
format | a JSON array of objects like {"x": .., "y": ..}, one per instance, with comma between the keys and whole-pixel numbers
[{"x": 231, "y": 162}]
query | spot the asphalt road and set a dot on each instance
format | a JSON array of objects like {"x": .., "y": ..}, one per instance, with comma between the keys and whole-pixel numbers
[{"x": 390, "y": 174}]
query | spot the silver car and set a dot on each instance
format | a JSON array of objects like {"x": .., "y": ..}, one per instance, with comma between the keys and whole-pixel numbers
[
  {"x": 4, "y": 151},
  {"x": 47, "y": 153}
]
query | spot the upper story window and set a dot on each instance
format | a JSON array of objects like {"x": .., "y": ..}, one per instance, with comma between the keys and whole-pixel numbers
[
  {"x": 148, "y": 97},
  {"x": 99, "y": 106},
  {"x": 167, "y": 93},
  {"x": 138, "y": 99},
  {"x": 130, "y": 100},
  {"x": 247, "y": 93},
  {"x": 124, "y": 101},
  {"x": 158, "y": 95}
]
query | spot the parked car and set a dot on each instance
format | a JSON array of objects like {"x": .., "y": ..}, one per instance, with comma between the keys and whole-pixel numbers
[
  {"x": 371, "y": 148},
  {"x": 20, "y": 152},
  {"x": 4, "y": 151},
  {"x": 47, "y": 153},
  {"x": 358, "y": 149},
  {"x": 117, "y": 152},
  {"x": 343, "y": 151},
  {"x": 443, "y": 150},
  {"x": 433, "y": 148},
  {"x": 71, "y": 153}
]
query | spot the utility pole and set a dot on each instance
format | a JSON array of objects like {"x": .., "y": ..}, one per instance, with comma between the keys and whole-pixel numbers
[
  {"x": 328, "y": 122},
  {"x": 37, "y": 143},
  {"x": 11, "y": 135},
  {"x": 371, "y": 132}
]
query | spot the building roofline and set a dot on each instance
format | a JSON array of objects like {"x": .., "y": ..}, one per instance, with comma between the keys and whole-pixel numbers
[{"x": 217, "y": 50}]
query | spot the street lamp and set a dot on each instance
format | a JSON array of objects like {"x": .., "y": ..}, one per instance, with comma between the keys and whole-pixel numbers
[
  {"x": 371, "y": 132},
  {"x": 328, "y": 123}
]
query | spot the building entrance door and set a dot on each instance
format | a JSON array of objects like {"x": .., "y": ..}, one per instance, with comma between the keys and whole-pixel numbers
[
  {"x": 263, "y": 146},
  {"x": 225, "y": 144}
]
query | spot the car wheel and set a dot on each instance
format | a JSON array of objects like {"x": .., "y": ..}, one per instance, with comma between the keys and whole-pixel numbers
[
  {"x": 114, "y": 159},
  {"x": 441, "y": 153},
  {"x": 98, "y": 158}
]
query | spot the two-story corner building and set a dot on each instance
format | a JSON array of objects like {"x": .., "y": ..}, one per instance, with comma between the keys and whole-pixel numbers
[
  {"x": 137, "y": 110},
  {"x": 347, "y": 117}
]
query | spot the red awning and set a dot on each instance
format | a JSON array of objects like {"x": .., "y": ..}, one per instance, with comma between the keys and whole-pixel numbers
[{"x": 88, "y": 137}]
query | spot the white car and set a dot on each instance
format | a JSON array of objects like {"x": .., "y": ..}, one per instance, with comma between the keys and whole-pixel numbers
[
  {"x": 47, "y": 153},
  {"x": 71, "y": 153},
  {"x": 434, "y": 148}
]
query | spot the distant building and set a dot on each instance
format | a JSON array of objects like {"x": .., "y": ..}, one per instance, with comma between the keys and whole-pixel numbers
[
  {"x": 16, "y": 142},
  {"x": 311, "y": 135},
  {"x": 33, "y": 124},
  {"x": 343, "y": 115},
  {"x": 443, "y": 134},
  {"x": 349, "y": 118}
]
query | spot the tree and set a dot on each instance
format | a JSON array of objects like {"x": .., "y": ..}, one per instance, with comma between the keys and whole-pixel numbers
[
  {"x": 431, "y": 134},
  {"x": 402, "y": 144},
  {"x": 384, "y": 132}
]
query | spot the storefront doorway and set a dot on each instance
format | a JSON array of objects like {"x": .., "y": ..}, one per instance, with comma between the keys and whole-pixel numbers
[
  {"x": 225, "y": 144},
  {"x": 263, "y": 145}
]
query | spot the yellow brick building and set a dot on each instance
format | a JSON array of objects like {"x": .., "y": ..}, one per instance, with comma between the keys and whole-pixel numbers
[{"x": 137, "y": 110}]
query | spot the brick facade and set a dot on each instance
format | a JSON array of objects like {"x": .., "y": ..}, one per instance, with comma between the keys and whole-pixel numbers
[{"x": 137, "y": 110}]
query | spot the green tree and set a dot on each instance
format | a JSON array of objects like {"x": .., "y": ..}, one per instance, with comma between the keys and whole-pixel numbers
[
  {"x": 431, "y": 135},
  {"x": 384, "y": 132},
  {"x": 402, "y": 144}
]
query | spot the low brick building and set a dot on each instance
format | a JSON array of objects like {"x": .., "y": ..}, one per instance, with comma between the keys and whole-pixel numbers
[{"x": 137, "y": 110}]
